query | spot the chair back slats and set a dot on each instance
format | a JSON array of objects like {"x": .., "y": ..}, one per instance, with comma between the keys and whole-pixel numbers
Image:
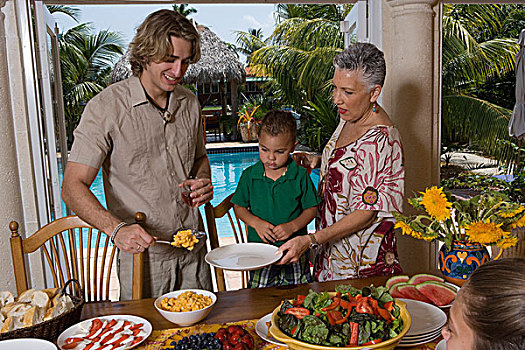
[
  {"x": 235, "y": 233},
  {"x": 73, "y": 252},
  {"x": 64, "y": 255},
  {"x": 56, "y": 261},
  {"x": 108, "y": 271},
  {"x": 102, "y": 269},
  {"x": 73, "y": 249},
  {"x": 87, "y": 287},
  {"x": 95, "y": 269},
  {"x": 50, "y": 263},
  {"x": 225, "y": 208},
  {"x": 82, "y": 278}
]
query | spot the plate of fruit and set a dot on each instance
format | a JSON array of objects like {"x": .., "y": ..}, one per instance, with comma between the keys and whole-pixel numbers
[{"x": 424, "y": 287}]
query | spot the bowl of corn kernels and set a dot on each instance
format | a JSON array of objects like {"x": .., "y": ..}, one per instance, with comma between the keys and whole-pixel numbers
[{"x": 185, "y": 307}]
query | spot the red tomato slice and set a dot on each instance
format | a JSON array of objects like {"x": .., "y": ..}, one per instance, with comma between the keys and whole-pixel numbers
[
  {"x": 298, "y": 312},
  {"x": 136, "y": 340},
  {"x": 96, "y": 324},
  {"x": 372, "y": 342}
]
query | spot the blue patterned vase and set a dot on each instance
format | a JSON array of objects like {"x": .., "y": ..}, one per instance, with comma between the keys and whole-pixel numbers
[{"x": 457, "y": 264}]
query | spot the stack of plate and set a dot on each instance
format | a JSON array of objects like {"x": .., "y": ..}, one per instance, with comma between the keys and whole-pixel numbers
[{"x": 427, "y": 321}]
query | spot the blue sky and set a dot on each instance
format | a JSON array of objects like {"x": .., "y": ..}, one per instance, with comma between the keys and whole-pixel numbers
[{"x": 222, "y": 19}]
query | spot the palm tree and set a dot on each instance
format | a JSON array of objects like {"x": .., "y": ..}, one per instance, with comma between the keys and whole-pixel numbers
[
  {"x": 184, "y": 10},
  {"x": 299, "y": 53},
  {"x": 473, "y": 54},
  {"x": 249, "y": 42},
  {"x": 70, "y": 11},
  {"x": 86, "y": 62}
]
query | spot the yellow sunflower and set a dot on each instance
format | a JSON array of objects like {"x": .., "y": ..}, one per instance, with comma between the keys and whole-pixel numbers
[
  {"x": 436, "y": 203},
  {"x": 518, "y": 223},
  {"x": 484, "y": 232},
  {"x": 507, "y": 242},
  {"x": 510, "y": 212},
  {"x": 407, "y": 230}
]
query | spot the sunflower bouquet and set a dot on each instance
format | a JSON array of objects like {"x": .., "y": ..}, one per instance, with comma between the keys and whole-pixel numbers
[{"x": 486, "y": 219}]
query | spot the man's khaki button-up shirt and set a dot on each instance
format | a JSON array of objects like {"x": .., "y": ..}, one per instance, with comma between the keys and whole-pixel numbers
[{"x": 143, "y": 158}]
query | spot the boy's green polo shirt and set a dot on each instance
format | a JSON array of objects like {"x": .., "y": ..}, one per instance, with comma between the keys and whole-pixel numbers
[{"x": 279, "y": 201}]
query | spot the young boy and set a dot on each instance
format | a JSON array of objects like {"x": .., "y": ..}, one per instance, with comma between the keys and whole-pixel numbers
[{"x": 276, "y": 199}]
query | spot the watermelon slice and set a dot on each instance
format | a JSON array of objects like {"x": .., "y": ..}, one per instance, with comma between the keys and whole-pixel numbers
[
  {"x": 423, "y": 277},
  {"x": 396, "y": 279},
  {"x": 438, "y": 292},
  {"x": 410, "y": 292},
  {"x": 394, "y": 292}
]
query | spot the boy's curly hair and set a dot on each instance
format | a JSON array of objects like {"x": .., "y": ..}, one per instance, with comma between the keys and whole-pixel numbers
[{"x": 279, "y": 122}]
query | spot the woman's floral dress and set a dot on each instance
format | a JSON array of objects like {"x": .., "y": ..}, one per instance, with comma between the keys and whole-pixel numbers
[{"x": 367, "y": 174}]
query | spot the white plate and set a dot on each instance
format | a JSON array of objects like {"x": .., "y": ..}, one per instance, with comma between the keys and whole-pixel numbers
[
  {"x": 407, "y": 345},
  {"x": 243, "y": 256},
  {"x": 262, "y": 330},
  {"x": 424, "y": 339},
  {"x": 442, "y": 345},
  {"x": 71, "y": 331},
  {"x": 426, "y": 318},
  {"x": 26, "y": 343},
  {"x": 420, "y": 337}
]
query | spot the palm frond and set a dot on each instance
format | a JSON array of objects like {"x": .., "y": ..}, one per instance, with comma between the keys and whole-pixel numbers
[
  {"x": 70, "y": 11},
  {"x": 478, "y": 122}
]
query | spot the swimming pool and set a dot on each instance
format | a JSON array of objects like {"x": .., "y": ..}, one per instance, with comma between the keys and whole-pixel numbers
[{"x": 226, "y": 170}]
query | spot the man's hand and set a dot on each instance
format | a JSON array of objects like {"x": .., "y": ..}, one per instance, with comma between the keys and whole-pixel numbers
[
  {"x": 201, "y": 191},
  {"x": 283, "y": 231},
  {"x": 264, "y": 230},
  {"x": 133, "y": 239},
  {"x": 294, "y": 249}
]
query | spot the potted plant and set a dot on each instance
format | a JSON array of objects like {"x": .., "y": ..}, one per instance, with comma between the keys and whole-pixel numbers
[
  {"x": 248, "y": 125},
  {"x": 466, "y": 227}
]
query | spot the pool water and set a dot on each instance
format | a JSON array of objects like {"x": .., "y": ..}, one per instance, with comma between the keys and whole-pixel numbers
[{"x": 226, "y": 170}]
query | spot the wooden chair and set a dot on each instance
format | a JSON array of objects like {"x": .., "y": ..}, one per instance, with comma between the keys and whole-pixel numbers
[
  {"x": 74, "y": 249},
  {"x": 239, "y": 232},
  {"x": 213, "y": 123}
]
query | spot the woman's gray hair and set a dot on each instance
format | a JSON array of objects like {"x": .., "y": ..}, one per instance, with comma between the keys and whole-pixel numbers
[{"x": 366, "y": 58}]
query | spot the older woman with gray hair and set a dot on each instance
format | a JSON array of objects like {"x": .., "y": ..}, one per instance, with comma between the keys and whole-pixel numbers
[{"x": 361, "y": 180}]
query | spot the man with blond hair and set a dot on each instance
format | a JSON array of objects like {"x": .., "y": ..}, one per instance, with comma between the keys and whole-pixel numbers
[{"x": 146, "y": 134}]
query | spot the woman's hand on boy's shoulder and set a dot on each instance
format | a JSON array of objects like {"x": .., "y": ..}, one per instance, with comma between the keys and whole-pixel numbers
[{"x": 307, "y": 160}]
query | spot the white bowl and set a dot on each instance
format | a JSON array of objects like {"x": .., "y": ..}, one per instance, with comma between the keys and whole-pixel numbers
[
  {"x": 26, "y": 343},
  {"x": 186, "y": 318}
]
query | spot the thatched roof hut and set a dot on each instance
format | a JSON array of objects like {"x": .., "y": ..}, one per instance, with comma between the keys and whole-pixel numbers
[{"x": 217, "y": 62}]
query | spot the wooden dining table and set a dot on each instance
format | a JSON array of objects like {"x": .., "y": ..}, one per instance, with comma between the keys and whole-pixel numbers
[{"x": 231, "y": 306}]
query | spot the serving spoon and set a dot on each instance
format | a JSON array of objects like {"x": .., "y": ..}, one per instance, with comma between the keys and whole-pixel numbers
[{"x": 195, "y": 233}]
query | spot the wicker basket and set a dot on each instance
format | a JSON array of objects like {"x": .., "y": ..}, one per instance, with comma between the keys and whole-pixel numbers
[{"x": 51, "y": 329}]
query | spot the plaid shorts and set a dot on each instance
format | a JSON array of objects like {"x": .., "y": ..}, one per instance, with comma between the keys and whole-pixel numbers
[{"x": 281, "y": 275}]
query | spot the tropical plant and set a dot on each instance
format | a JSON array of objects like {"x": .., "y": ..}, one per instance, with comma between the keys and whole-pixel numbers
[
  {"x": 249, "y": 42},
  {"x": 319, "y": 123},
  {"x": 486, "y": 219},
  {"x": 247, "y": 116},
  {"x": 70, "y": 11},
  {"x": 184, "y": 10},
  {"x": 86, "y": 62},
  {"x": 299, "y": 53},
  {"x": 473, "y": 54}
]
